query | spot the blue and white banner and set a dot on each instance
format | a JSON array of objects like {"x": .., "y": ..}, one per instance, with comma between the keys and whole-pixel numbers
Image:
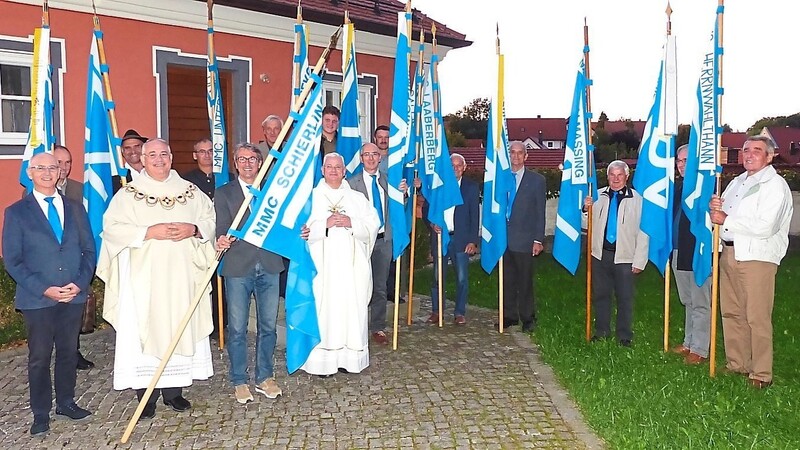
[
  {"x": 40, "y": 132},
  {"x": 100, "y": 146},
  {"x": 701, "y": 159},
  {"x": 281, "y": 209},
  {"x": 399, "y": 132},
  {"x": 655, "y": 170},
  {"x": 577, "y": 178},
  {"x": 348, "y": 143},
  {"x": 498, "y": 181},
  {"x": 216, "y": 118},
  {"x": 439, "y": 184}
]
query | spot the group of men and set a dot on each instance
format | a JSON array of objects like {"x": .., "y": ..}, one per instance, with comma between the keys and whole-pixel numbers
[
  {"x": 753, "y": 213},
  {"x": 161, "y": 232}
]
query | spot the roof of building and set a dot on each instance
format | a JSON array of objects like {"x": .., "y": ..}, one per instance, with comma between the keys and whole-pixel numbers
[
  {"x": 551, "y": 128},
  {"x": 373, "y": 16},
  {"x": 733, "y": 139},
  {"x": 784, "y": 136}
]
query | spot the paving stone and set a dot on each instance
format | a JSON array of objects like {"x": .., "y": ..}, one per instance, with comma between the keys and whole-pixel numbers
[{"x": 453, "y": 387}]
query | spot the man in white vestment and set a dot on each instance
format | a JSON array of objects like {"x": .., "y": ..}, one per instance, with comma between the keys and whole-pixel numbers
[
  {"x": 342, "y": 230},
  {"x": 154, "y": 255}
]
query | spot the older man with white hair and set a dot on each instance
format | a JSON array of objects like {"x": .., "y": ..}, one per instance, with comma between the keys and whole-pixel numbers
[{"x": 619, "y": 249}]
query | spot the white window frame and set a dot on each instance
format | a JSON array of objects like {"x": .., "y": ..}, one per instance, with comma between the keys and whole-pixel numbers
[{"x": 20, "y": 59}]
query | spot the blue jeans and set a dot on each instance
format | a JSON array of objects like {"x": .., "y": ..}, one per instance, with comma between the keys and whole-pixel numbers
[
  {"x": 238, "y": 290},
  {"x": 460, "y": 262}
]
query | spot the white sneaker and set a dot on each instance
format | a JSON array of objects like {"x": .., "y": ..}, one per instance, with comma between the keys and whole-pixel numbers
[
  {"x": 269, "y": 388},
  {"x": 243, "y": 394}
]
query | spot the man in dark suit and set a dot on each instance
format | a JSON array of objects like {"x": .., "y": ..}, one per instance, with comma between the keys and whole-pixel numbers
[
  {"x": 248, "y": 271},
  {"x": 463, "y": 243},
  {"x": 131, "y": 145},
  {"x": 73, "y": 190},
  {"x": 525, "y": 237},
  {"x": 48, "y": 249},
  {"x": 373, "y": 184}
]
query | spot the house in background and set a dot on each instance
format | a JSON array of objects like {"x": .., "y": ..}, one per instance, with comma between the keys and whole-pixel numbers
[
  {"x": 787, "y": 142},
  {"x": 539, "y": 133},
  {"x": 156, "y": 51}
]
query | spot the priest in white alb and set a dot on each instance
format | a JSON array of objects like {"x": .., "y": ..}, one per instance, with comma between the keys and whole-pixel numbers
[
  {"x": 154, "y": 255},
  {"x": 342, "y": 229}
]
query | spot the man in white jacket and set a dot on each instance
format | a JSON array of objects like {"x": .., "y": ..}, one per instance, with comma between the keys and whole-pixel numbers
[
  {"x": 754, "y": 214},
  {"x": 619, "y": 249}
]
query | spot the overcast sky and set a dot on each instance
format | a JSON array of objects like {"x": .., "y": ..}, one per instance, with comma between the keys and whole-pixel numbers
[{"x": 543, "y": 41}]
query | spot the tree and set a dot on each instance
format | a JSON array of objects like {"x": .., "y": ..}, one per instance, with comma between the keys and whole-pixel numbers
[
  {"x": 472, "y": 120},
  {"x": 780, "y": 121},
  {"x": 601, "y": 121},
  {"x": 455, "y": 139}
]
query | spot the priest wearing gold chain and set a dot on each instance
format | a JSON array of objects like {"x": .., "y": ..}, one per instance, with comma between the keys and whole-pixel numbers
[
  {"x": 342, "y": 227},
  {"x": 157, "y": 244}
]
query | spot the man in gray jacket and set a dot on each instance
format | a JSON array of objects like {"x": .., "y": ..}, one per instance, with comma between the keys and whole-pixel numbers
[{"x": 619, "y": 249}]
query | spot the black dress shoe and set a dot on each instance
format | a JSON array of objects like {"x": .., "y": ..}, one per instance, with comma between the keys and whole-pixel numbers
[
  {"x": 178, "y": 403},
  {"x": 625, "y": 342},
  {"x": 83, "y": 363},
  {"x": 528, "y": 327},
  {"x": 149, "y": 411},
  {"x": 596, "y": 338},
  {"x": 506, "y": 324},
  {"x": 343, "y": 370},
  {"x": 72, "y": 411},
  {"x": 41, "y": 425},
  {"x": 326, "y": 376}
]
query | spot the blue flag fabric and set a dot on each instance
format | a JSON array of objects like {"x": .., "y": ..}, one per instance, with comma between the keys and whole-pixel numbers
[
  {"x": 216, "y": 118},
  {"x": 578, "y": 179},
  {"x": 40, "y": 132},
  {"x": 348, "y": 143},
  {"x": 399, "y": 132},
  {"x": 498, "y": 183},
  {"x": 101, "y": 161},
  {"x": 701, "y": 158},
  {"x": 655, "y": 180},
  {"x": 301, "y": 69},
  {"x": 282, "y": 208},
  {"x": 439, "y": 184}
]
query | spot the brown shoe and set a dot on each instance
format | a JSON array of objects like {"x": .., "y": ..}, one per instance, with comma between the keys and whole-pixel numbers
[
  {"x": 434, "y": 318},
  {"x": 460, "y": 320},
  {"x": 694, "y": 359},
  {"x": 380, "y": 337},
  {"x": 758, "y": 384},
  {"x": 681, "y": 350}
]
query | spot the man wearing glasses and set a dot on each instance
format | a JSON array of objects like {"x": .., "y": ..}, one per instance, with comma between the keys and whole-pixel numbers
[
  {"x": 154, "y": 258},
  {"x": 373, "y": 184},
  {"x": 49, "y": 251},
  {"x": 248, "y": 271}
]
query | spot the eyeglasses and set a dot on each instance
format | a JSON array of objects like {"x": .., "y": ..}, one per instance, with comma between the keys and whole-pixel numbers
[
  {"x": 370, "y": 154},
  {"x": 245, "y": 159},
  {"x": 41, "y": 168},
  {"x": 204, "y": 152},
  {"x": 330, "y": 167}
]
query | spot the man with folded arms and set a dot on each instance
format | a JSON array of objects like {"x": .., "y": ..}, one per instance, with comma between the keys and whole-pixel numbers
[{"x": 48, "y": 249}]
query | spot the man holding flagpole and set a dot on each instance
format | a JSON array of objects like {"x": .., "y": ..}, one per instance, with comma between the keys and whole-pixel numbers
[
  {"x": 525, "y": 236},
  {"x": 619, "y": 252},
  {"x": 754, "y": 214}
]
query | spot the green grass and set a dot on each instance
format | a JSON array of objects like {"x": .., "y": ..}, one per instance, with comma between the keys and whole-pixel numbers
[{"x": 641, "y": 398}]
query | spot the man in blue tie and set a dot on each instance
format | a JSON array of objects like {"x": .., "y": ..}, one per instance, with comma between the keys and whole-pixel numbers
[
  {"x": 48, "y": 249},
  {"x": 619, "y": 249},
  {"x": 373, "y": 184}
]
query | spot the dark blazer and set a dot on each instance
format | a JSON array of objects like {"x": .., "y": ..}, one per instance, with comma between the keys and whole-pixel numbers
[
  {"x": 358, "y": 183},
  {"x": 466, "y": 218},
  {"x": 36, "y": 261},
  {"x": 73, "y": 190},
  {"x": 526, "y": 223},
  {"x": 206, "y": 183},
  {"x": 116, "y": 181},
  {"x": 682, "y": 236},
  {"x": 240, "y": 259}
]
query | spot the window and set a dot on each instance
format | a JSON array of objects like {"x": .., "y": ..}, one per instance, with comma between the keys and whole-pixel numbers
[
  {"x": 549, "y": 144},
  {"x": 367, "y": 88},
  {"x": 15, "y": 98},
  {"x": 16, "y": 58}
]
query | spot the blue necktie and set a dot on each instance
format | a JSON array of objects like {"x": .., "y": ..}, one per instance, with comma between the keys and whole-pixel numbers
[
  {"x": 611, "y": 223},
  {"x": 52, "y": 217},
  {"x": 376, "y": 198},
  {"x": 511, "y": 195}
]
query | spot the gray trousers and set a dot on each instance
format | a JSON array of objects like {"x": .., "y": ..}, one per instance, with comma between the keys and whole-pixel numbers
[
  {"x": 381, "y": 258},
  {"x": 608, "y": 278},
  {"x": 697, "y": 300}
]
